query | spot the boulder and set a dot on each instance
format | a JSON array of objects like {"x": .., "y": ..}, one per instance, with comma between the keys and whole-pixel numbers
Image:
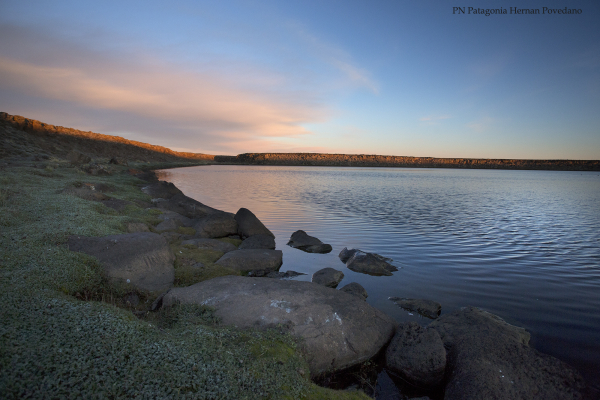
[
  {"x": 346, "y": 254},
  {"x": 426, "y": 308},
  {"x": 185, "y": 221},
  {"x": 252, "y": 259},
  {"x": 368, "y": 263},
  {"x": 490, "y": 359},
  {"x": 142, "y": 259},
  {"x": 210, "y": 244},
  {"x": 161, "y": 190},
  {"x": 216, "y": 225},
  {"x": 328, "y": 277},
  {"x": 302, "y": 241},
  {"x": 167, "y": 225},
  {"x": 267, "y": 273},
  {"x": 249, "y": 225},
  {"x": 258, "y": 242},
  {"x": 338, "y": 329},
  {"x": 186, "y": 206},
  {"x": 356, "y": 289},
  {"x": 417, "y": 354}
]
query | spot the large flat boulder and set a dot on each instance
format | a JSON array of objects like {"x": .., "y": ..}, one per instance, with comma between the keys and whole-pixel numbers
[
  {"x": 490, "y": 359},
  {"x": 142, "y": 259},
  {"x": 250, "y": 225},
  {"x": 252, "y": 260},
  {"x": 310, "y": 244},
  {"x": 417, "y": 354},
  {"x": 216, "y": 225},
  {"x": 338, "y": 329}
]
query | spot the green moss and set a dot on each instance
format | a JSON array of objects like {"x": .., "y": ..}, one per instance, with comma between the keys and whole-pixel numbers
[
  {"x": 54, "y": 345},
  {"x": 186, "y": 231},
  {"x": 235, "y": 242}
]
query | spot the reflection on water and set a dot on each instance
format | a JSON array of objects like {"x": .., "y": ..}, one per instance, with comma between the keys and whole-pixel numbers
[{"x": 521, "y": 244}]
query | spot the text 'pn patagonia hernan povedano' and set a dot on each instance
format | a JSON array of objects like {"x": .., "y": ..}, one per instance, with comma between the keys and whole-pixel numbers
[{"x": 516, "y": 10}]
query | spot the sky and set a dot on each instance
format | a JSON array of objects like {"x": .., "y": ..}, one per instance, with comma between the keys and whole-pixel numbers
[{"x": 398, "y": 77}]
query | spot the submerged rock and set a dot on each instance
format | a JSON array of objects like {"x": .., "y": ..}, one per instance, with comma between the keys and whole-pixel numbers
[
  {"x": 426, "y": 308},
  {"x": 368, "y": 263},
  {"x": 302, "y": 241},
  {"x": 338, "y": 330},
  {"x": 142, "y": 259},
  {"x": 328, "y": 277},
  {"x": 356, "y": 289},
  {"x": 417, "y": 354},
  {"x": 346, "y": 254},
  {"x": 490, "y": 359},
  {"x": 253, "y": 259}
]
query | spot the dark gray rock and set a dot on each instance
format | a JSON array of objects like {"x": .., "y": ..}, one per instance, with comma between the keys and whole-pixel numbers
[
  {"x": 161, "y": 190},
  {"x": 267, "y": 273},
  {"x": 368, "y": 263},
  {"x": 417, "y": 354},
  {"x": 427, "y": 308},
  {"x": 185, "y": 221},
  {"x": 346, "y": 254},
  {"x": 328, "y": 277},
  {"x": 490, "y": 359},
  {"x": 302, "y": 241},
  {"x": 258, "y": 242},
  {"x": 250, "y": 225},
  {"x": 338, "y": 330},
  {"x": 210, "y": 244},
  {"x": 167, "y": 225},
  {"x": 171, "y": 236},
  {"x": 253, "y": 259},
  {"x": 386, "y": 388},
  {"x": 356, "y": 289},
  {"x": 216, "y": 225},
  {"x": 141, "y": 259},
  {"x": 186, "y": 206}
]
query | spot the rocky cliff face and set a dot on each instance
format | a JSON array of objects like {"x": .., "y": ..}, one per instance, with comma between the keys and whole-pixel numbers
[
  {"x": 366, "y": 160},
  {"x": 22, "y": 136}
]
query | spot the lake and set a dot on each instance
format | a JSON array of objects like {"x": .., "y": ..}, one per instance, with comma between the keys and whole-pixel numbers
[{"x": 524, "y": 245}]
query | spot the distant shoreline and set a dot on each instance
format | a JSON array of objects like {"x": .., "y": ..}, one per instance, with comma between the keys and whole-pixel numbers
[{"x": 366, "y": 160}]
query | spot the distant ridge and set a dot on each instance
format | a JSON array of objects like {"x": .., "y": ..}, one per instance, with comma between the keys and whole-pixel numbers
[
  {"x": 367, "y": 160},
  {"x": 59, "y": 141}
]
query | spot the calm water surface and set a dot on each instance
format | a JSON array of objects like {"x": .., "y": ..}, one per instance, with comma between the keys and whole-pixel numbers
[{"x": 524, "y": 245}]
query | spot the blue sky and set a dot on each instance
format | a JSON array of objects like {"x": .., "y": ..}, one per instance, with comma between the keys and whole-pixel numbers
[{"x": 402, "y": 77}]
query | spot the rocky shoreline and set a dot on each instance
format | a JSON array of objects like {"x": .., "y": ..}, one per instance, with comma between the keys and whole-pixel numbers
[
  {"x": 465, "y": 354},
  {"x": 369, "y": 160}
]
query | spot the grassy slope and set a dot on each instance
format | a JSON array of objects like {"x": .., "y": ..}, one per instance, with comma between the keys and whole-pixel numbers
[{"x": 54, "y": 345}]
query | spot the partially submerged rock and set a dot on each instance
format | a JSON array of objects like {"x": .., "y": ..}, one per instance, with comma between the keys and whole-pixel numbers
[
  {"x": 368, "y": 263},
  {"x": 250, "y": 225},
  {"x": 417, "y": 354},
  {"x": 142, "y": 259},
  {"x": 490, "y": 359},
  {"x": 356, "y": 289},
  {"x": 210, "y": 244},
  {"x": 302, "y": 241},
  {"x": 258, "y": 242},
  {"x": 346, "y": 254},
  {"x": 216, "y": 225},
  {"x": 426, "y": 308},
  {"x": 328, "y": 277},
  {"x": 253, "y": 259},
  {"x": 338, "y": 330}
]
